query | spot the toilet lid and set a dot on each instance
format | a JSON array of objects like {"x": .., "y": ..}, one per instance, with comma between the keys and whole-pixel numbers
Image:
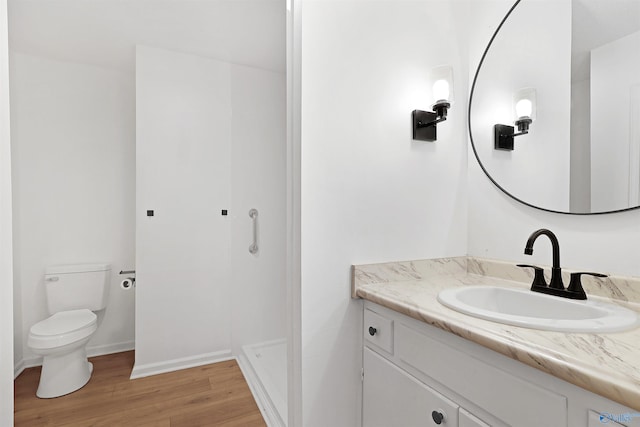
[{"x": 64, "y": 322}]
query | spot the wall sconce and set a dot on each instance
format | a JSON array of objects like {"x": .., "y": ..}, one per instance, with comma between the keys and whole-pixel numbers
[
  {"x": 525, "y": 111},
  {"x": 424, "y": 122}
]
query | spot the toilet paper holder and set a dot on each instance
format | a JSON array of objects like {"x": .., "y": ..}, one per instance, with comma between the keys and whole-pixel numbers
[{"x": 129, "y": 282}]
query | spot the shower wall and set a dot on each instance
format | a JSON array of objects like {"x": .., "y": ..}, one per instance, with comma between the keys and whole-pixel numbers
[
  {"x": 258, "y": 176},
  {"x": 210, "y": 138},
  {"x": 183, "y": 175}
]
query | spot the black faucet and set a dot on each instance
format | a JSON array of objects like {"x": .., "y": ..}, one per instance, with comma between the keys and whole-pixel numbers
[
  {"x": 556, "y": 287},
  {"x": 556, "y": 271}
]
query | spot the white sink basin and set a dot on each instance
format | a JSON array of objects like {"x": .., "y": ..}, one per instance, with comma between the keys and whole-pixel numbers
[{"x": 538, "y": 311}]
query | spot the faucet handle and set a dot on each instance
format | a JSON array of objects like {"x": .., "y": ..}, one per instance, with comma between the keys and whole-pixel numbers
[
  {"x": 575, "y": 285},
  {"x": 538, "y": 278}
]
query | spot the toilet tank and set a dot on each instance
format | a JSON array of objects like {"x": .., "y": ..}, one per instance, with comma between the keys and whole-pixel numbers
[{"x": 71, "y": 287}]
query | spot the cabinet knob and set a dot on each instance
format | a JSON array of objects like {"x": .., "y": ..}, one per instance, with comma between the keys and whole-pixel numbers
[
  {"x": 372, "y": 330},
  {"x": 438, "y": 417}
]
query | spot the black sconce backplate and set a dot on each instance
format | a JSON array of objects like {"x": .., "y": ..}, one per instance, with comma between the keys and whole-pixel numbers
[
  {"x": 420, "y": 131},
  {"x": 503, "y": 137}
]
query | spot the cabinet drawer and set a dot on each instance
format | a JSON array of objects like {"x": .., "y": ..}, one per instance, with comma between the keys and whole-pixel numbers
[
  {"x": 391, "y": 397},
  {"x": 378, "y": 330},
  {"x": 496, "y": 391}
]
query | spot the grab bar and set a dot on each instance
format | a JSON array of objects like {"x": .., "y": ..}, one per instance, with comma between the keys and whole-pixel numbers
[{"x": 253, "y": 214}]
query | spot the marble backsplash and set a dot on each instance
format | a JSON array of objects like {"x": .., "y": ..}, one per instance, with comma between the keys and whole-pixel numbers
[{"x": 623, "y": 289}]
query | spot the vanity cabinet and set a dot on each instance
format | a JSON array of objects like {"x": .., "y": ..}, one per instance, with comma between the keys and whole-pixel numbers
[{"x": 415, "y": 374}]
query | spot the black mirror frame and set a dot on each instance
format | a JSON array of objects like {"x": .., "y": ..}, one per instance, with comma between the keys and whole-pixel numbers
[{"x": 473, "y": 146}]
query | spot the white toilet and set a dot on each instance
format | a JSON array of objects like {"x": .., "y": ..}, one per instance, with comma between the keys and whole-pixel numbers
[{"x": 74, "y": 293}]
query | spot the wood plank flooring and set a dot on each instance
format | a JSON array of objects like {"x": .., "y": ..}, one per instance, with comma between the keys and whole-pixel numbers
[{"x": 210, "y": 395}]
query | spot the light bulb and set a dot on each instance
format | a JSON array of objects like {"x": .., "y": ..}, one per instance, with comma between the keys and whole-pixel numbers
[
  {"x": 524, "y": 108},
  {"x": 441, "y": 90}
]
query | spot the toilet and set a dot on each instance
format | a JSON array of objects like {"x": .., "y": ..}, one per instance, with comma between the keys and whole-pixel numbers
[{"x": 74, "y": 294}]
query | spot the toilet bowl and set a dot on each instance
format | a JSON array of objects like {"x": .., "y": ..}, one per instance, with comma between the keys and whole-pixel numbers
[
  {"x": 74, "y": 294},
  {"x": 61, "y": 340}
]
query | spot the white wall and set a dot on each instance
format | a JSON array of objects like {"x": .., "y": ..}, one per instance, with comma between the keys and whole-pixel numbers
[
  {"x": 210, "y": 136},
  {"x": 580, "y": 129},
  {"x": 293, "y": 213},
  {"x": 615, "y": 72},
  {"x": 499, "y": 227},
  {"x": 74, "y": 184},
  {"x": 258, "y": 168},
  {"x": 183, "y": 130},
  {"x": 6, "y": 262},
  {"x": 527, "y": 54},
  {"x": 370, "y": 193}
]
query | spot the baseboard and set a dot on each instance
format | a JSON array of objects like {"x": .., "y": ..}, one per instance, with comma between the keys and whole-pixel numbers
[
  {"x": 101, "y": 350},
  {"x": 140, "y": 371},
  {"x": 30, "y": 362},
  {"x": 18, "y": 368},
  {"x": 266, "y": 406},
  {"x": 92, "y": 351}
]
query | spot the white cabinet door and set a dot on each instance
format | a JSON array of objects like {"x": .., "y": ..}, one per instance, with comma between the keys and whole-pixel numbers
[
  {"x": 469, "y": 420},
  {"x": 393, "y": 398}
]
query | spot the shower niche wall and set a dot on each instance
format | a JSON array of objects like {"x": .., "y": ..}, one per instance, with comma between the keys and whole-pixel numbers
[{"x": 209, "y": 147}]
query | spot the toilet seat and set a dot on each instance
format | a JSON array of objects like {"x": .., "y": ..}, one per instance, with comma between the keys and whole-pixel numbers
[{"x": 63, "y": 328}]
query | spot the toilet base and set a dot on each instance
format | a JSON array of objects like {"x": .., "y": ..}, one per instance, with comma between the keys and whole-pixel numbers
[{"x": 64, "y": 373}]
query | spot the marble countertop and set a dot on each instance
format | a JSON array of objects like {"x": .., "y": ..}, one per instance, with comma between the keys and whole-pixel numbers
[{"x": 605, "y": 364}]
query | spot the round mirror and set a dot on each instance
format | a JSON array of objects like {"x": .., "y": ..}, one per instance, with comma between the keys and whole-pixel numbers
[{"x": 554, "y": 111}]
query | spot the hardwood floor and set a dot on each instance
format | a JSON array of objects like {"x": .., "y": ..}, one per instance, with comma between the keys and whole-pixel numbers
[{"x": 210, "y": 395}]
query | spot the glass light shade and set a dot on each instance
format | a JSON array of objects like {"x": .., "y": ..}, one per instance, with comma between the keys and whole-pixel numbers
[
  {"x": 524, "y": 102},
  {"x": 441, "y": 90},
  {"x": 442, "y": 81},
  {"x": 524, "y": 108}
]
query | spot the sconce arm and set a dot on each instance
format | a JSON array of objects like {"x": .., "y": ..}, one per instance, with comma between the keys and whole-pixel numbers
[
  {"x": 520, "y": 133},
  {"x": 504, "y": 134},
  {"x": 420, "y": 124}
]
